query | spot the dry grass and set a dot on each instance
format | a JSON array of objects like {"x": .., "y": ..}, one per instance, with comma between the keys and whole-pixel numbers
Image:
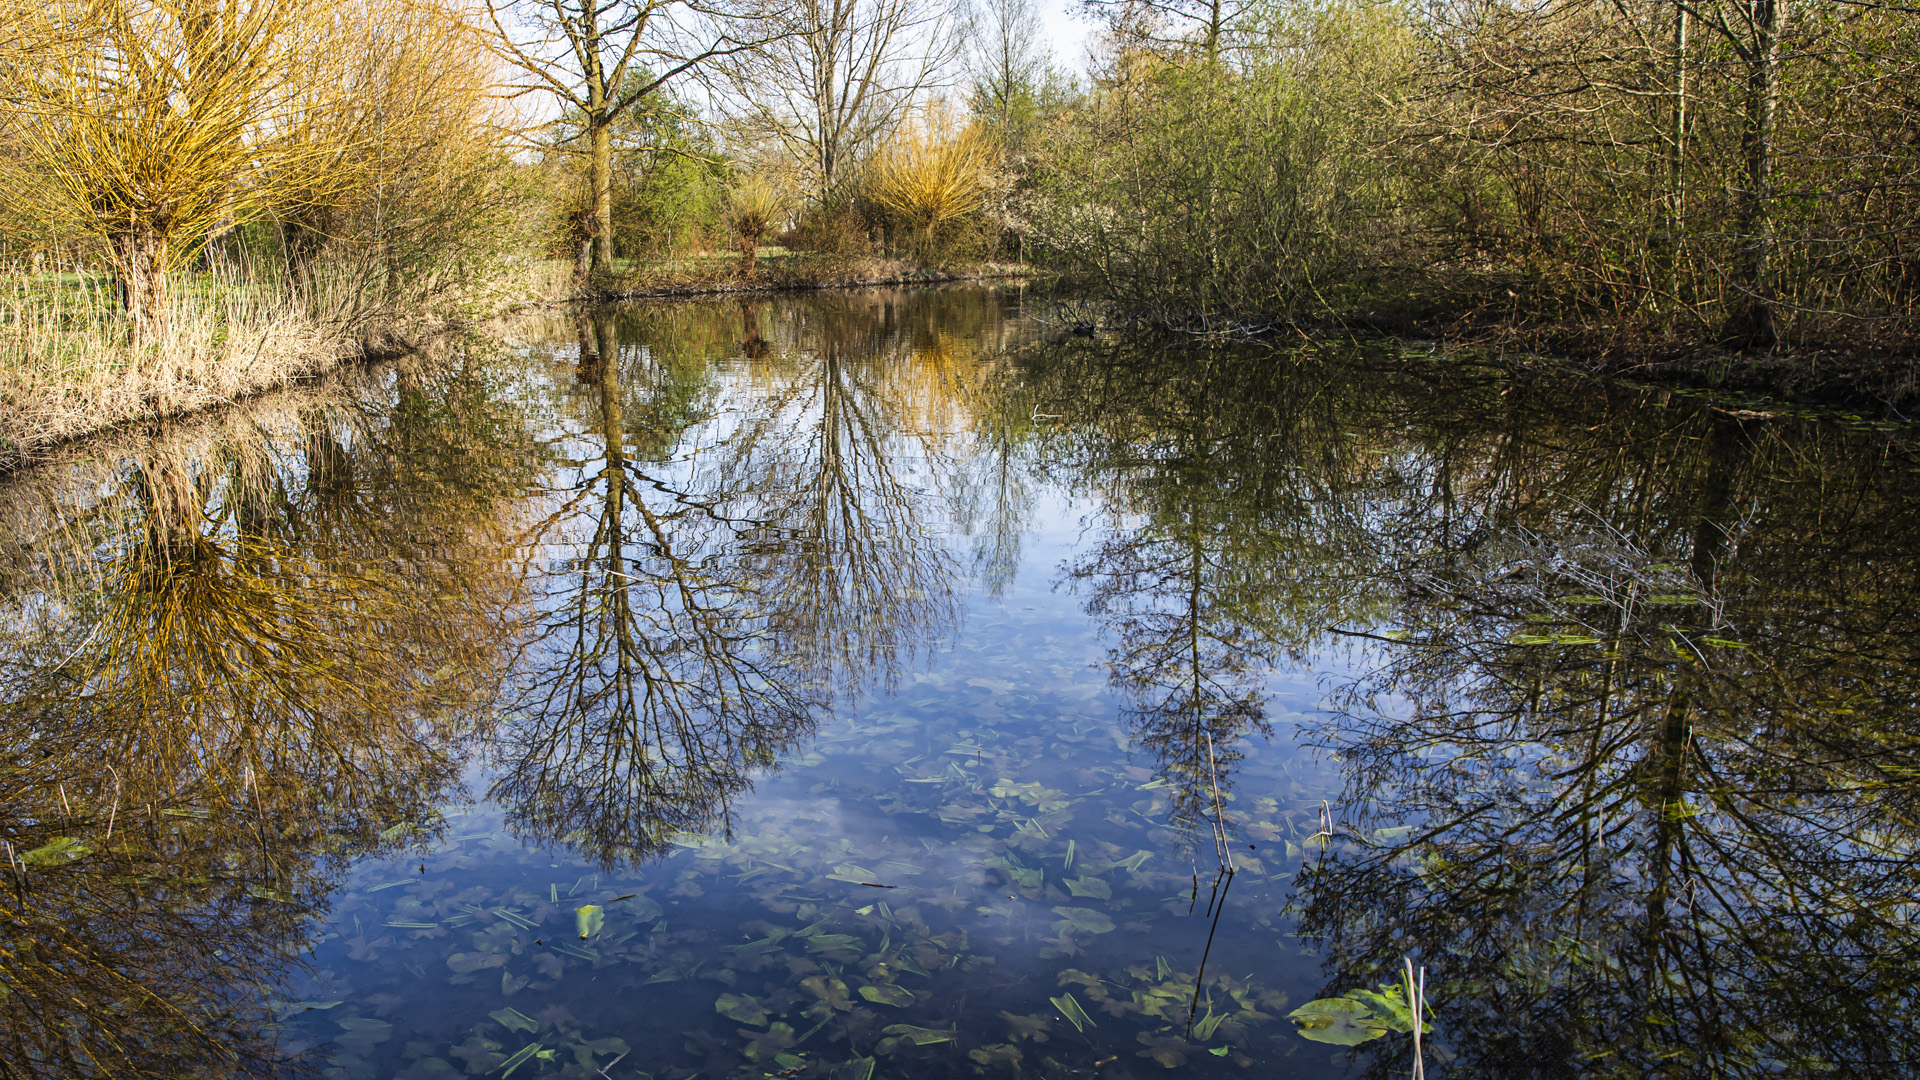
[{"x": 66, "y": 369}]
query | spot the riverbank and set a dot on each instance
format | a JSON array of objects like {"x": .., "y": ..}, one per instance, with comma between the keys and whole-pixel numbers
[
  {"x": 1834, "y": 372},
  {"x": 1830, "y": 375},
  {"x": 795, "y": 274},
  {"x": 67, "y": 374},
  {"x": 67, "y": 371}
]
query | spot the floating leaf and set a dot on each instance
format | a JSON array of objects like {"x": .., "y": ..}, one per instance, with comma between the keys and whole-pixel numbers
[
  {"x": 362, "y": 1029},
  {"x": 586, "y": 1050},
  {"x": 1170, "y": 1052},
  {"x": 1339, "y": 1021},
  {"x": 58, "y": 852},
  {"x": 1220, "y": 1051},
  {"x": 1020, "y": 1028},
  {"x": 463, "y": 963},
  {"x": 1390, "y": 1006},
  {"x": 997, "y": 1054},
  {"x": 762, "y": 1045},
  {"x": 1209, "y": 1023},
  {"x": 741, "y": 1007},
  {"x": 515, "y": 1020},
  {"x": 888, "y": 994},
  {"x": 857, "y": 1069},
  {"x": 290, "y": 1008},
  {"x": 1069, "y": 1007},
  {"x": 830, "y": 990},
  {"x": 588, "y": 919}
]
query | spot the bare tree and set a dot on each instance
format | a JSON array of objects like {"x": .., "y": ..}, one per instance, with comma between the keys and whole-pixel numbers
[
  {"x": 1005, "y": 60},
  {"x": 600, "y": 58},
  {"x": 1165, "y": 23},
  {"x": 839, "y": 79}
]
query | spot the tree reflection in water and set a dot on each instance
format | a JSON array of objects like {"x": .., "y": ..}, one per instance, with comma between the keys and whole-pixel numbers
[
  {"x": 250, "y": 673},
  {"x": 649, "y": 696},
  {"x": 1230, "y": 510},
  {"x": 713, "y": 578},
  {"x": 1637, "y": 782}
]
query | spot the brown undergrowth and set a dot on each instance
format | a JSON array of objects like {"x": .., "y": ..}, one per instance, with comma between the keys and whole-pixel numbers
[
  {"x": 67, "y": 371},
  {"x": 794, "y": 273}
]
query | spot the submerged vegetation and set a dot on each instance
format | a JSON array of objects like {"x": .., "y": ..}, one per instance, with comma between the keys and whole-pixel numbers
[{"x": 871, "y": 684}]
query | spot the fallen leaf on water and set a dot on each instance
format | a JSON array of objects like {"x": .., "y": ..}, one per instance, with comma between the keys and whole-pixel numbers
[
  {"x": 1338, "y": 1021},
  {"x": 918, "y": 1036},
  {"x": 60, "y": 851},
  {"x": 1084, "y": 920},
  {"x": 741, "y": 1007},
  {"x": 1020, "y": 1028}
]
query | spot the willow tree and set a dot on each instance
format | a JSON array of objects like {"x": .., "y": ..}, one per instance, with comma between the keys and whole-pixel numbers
[
  {"x": 403, "y": 115},
  {"x": 602, "y": 58},
  {"x": 151, "y": 124}
]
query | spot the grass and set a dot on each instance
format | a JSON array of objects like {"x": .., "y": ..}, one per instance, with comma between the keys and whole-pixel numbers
[{"x": 66, "y": 368}]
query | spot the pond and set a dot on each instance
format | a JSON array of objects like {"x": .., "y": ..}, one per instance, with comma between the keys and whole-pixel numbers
[{"x": 895, "y": 684}]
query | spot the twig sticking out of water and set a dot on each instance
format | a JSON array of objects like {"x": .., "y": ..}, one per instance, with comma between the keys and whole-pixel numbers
[
  {"x": 1222, "y": 881},
  {"x": 1325, "y": 835},
  {"x": 1416, "y": 1004}
]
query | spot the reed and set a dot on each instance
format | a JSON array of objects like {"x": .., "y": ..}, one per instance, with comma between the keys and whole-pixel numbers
[{"x": 67, "y": 369}]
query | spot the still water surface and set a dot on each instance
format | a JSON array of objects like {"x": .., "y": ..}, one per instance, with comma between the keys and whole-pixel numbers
[{"x": 884, "y": 685}]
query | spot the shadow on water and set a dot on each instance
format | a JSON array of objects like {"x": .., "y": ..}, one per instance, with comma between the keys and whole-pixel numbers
[{"x": 869, "y": 685}]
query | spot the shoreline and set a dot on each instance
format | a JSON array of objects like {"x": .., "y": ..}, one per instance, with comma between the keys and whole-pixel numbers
[
  {"x": 1786, "y": 378},
  {"x": 49, "y": 416}
]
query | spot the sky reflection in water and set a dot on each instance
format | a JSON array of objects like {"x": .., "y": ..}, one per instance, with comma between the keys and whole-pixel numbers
[{"x": 839, "y": 686}]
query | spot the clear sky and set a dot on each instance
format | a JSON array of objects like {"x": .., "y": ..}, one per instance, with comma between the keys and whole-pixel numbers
[{"x": 1067, "y": 32}]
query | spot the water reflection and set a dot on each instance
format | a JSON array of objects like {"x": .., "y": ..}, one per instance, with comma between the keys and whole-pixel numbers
[
  {"x": 1638, "y": 782},
  {"x": 1618, "y": 688},
  {"x": 848, "y": 467},
  {"x": 1231, "y": 531},
  {"x": 650, "y": 694},
  {"x": 748, "y": 519},
  {"x": 237, "y": 671}
]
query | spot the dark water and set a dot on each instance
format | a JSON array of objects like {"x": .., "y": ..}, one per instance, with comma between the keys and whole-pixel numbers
[{"x": 884, "y": 685}]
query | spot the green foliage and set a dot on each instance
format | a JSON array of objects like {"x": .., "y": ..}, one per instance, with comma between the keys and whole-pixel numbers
[{"x": 1244, "y": 184}]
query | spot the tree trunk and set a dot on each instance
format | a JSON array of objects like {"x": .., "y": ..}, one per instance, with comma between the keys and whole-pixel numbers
[
  {"x": 1750, "y": 319},
  {"x": 1673, "y": 209},
  {"x": 602, "y": 178},
  {"x": 141, "y": 253}
]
